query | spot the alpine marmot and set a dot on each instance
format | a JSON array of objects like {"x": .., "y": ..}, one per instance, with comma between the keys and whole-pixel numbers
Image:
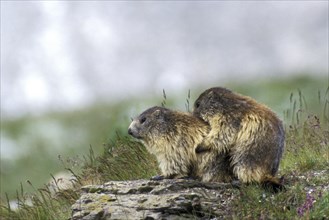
[
  {"x": 172, "y": 137},
  {"x": 249, "y": 133}
]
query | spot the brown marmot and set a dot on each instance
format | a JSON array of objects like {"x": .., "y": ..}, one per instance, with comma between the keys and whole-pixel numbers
[
  {"x": 172, "y": 137},
  {"x": 248, "y": 132}
]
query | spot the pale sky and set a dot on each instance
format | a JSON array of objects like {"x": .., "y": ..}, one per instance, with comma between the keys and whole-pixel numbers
[{"x": 57, "y": 55}]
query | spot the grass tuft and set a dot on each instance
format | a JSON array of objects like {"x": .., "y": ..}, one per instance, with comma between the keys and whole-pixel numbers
[
  {"x": 307, "y": 138},
  {"x": 123, "y": 159}
]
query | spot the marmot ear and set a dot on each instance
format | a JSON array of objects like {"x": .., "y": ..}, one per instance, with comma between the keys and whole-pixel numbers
[
  {"x": 211, "y": 93},
  {"x": 157, "y": 113}
]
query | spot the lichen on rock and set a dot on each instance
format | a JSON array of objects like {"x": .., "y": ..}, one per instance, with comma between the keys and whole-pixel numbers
[{"x": 149, "y": 199}]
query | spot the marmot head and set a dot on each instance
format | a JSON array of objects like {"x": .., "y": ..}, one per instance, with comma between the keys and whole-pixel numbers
[
  {"x": 152, "y": 123},
  {"x": 210, "y": 102},
  {"x": 219, "y": 100}
]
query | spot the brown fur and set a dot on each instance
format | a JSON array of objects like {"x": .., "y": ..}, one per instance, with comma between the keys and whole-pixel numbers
[
  {"x": 248, "y": 132},
  {"x": 172, "y": 137},
  {"x": 214, "y": 167}
]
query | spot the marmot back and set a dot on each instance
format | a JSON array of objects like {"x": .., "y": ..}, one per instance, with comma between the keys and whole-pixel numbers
[
  {"x": 172, "y": 137},
  {"x": 249, "y": 132}
]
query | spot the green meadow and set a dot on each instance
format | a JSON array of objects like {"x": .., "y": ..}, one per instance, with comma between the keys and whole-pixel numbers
[{"x": 92, "y": 144}]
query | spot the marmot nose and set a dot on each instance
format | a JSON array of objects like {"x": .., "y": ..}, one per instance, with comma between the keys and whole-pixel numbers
[{"x": 130, "y": 132}]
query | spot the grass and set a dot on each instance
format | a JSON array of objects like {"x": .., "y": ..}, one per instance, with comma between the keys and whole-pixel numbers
[
  {"x": 68, "y": 135},
  {"x": 295, "y": 203},
  {"x": 114, "y": 156},
  {"x": 123, "y": 159},
  {"x": 307, "y": 137},
  {"x": 41, "y": 204}
]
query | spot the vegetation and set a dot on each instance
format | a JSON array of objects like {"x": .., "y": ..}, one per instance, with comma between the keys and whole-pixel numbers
[{"x": 304, "y": 166}]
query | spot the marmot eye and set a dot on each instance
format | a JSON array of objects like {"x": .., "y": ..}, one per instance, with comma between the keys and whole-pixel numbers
[
  {"x": 197, "y": 105},
  {"x": 142, "y": 120}
]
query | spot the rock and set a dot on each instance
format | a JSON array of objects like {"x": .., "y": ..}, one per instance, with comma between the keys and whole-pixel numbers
[{"x": 149, "y": 199}]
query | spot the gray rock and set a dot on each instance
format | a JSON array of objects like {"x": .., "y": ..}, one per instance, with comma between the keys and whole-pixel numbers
[{"x": 148, "y": 199}]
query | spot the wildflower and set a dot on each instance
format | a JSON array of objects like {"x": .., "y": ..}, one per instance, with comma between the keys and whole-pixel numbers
[{"x": 307, "y": 206}]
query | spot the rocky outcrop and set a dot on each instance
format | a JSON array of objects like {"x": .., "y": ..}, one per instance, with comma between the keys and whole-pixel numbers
[{"x": 148, "y": 199}]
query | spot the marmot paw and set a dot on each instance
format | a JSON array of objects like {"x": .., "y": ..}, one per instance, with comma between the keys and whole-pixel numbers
[{"x": 158, "y": 177}]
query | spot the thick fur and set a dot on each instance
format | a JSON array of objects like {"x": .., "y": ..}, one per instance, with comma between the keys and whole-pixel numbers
[
  {"x": 172, "y": 137},
  {"x": 249, "y": 133},
  {"x": 214, "y": 167}
]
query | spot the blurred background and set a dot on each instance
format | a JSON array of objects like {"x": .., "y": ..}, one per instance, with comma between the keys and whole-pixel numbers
[{"x": 73, "y": 73}]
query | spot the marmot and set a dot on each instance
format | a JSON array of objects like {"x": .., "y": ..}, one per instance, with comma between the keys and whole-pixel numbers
[
  {"x": 172, "y": 137},
  {"x": 249, "y": 133}
]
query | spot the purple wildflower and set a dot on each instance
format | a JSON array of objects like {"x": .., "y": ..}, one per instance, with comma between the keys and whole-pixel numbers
[{"x": 307, "y": 206}]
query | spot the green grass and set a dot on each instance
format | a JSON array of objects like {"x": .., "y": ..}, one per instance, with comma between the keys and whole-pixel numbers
[
  {"x": 45, "y": 204},
  {"x": 123, "y": 159},
  {"x": 68, "y": 135},
  {"x": 99, "y": 133},
  {"x": 295, "y": 203}
]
